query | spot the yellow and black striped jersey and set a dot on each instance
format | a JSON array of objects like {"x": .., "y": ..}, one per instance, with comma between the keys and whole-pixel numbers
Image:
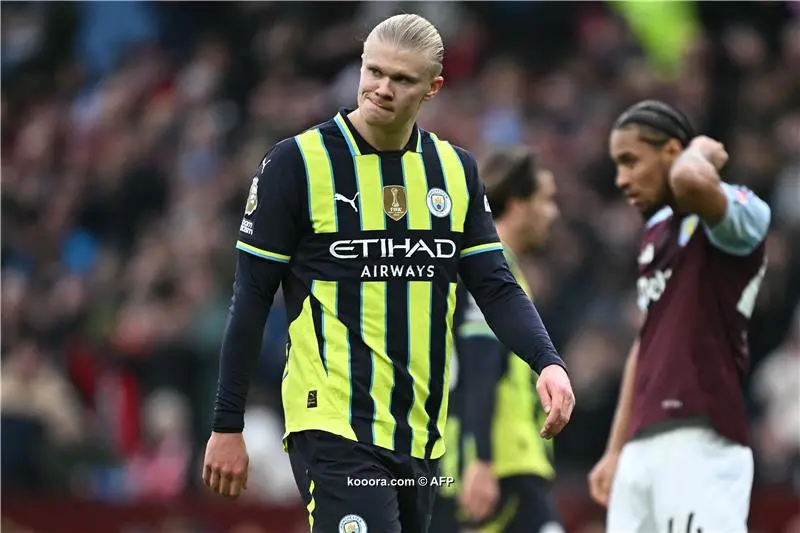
[{"x": 374, "y": 242}]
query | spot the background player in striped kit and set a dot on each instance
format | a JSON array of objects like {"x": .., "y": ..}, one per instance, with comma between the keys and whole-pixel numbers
[
  {"x": 678, "y": 456},
  {"x": 496, "y": 417},
  {"x": 370, "y": 287}
]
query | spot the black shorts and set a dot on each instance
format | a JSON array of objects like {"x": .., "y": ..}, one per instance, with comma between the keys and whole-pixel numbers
[
  {"x": 351, "y": 487},
  {"x": 525, "y": 506},
  {"x": 444, "y": 518}
]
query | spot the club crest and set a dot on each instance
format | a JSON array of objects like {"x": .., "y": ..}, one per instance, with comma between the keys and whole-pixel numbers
[
  {"x": 352, "y": 523},
  {"x": 439, "y": 203}
]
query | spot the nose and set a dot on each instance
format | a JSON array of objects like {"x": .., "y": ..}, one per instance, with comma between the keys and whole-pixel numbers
[
  {"x": 622, "y": 181},
  {"x": 383, "y": 90}
]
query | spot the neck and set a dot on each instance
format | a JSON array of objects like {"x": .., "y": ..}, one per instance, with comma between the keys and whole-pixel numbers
[
  {"x": 382, "y": 139},
  {"x": 508, "y": 236}
]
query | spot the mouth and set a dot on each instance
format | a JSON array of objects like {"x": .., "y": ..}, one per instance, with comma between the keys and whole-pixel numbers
[{"x": 379, "y": 106}]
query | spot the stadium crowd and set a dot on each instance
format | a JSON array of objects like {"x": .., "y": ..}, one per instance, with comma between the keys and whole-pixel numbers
[{"x": 130, "y": 134}]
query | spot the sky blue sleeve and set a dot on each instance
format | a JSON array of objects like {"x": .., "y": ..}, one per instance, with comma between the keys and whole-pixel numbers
[{"x": 746, "y": 222}]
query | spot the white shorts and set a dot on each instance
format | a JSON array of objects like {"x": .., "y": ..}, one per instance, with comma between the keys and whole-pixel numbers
[{"x": 685, "y": 480}]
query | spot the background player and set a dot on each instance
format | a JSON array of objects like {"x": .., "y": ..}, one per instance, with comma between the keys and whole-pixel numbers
[
  {"x": 678, "y": 456},
  {"x": 505, "y": 486},
  {"x": 370, "y": 285}
]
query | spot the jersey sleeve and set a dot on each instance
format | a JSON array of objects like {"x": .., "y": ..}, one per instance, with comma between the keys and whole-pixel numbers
[
  {"x": 480, "y": 234},
  {"x": 274, "y": 213},
  {"x": 746, "y": 222}
]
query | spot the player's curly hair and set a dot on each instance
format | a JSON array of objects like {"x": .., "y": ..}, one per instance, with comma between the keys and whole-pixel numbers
[{"x": 413, "y": 32}]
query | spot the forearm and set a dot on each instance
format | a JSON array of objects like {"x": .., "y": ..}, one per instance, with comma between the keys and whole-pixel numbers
[
  {"x": 508, "y": 310},
  {"x": 622, "y": 416},
  {"x": 695, "y": 186},
  {"x": 257, "y": 280},
  {"x": 482, "y": 367}
]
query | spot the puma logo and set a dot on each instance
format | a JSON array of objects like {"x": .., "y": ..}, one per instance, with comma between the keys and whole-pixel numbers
[{"x": 344, "y": 199}]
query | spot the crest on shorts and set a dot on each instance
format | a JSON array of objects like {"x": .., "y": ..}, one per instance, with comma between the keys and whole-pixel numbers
[
  {"x": 352, "y": 523},
  {"x": 252, "y": 198},
  {"x": 395, "y": 204},
  {"x": 439, "y": 203}
]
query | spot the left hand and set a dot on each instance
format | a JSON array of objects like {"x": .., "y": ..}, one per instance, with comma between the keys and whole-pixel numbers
[
  {"x": 481, "y": 491},
  {"x": 557, "y": 397}
]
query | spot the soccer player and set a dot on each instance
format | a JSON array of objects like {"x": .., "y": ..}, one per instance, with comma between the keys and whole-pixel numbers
[
  {"x": 678, "y": 457},
  {"x": 509, "y": 469},
  {"x": 367, "y": 221}
]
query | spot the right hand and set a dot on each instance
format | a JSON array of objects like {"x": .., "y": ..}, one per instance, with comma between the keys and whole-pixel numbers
[
  {"x": 480, "y": 491},
  {"x": 226, "y": 464},
  {"x": 602, "y": 476},
  {"x": 714, "y": 151}
]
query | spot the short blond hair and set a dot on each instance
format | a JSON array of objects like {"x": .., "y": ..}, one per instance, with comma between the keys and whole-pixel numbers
[{"x": 412, "y": 32}]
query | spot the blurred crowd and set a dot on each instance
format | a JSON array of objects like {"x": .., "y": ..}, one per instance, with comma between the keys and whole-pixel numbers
[{"x": 130, "y": 134}]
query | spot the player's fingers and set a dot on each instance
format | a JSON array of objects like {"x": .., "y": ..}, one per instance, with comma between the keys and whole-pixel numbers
[
  {"x": 213, "y": 479},
  {"x": 544, "y": 396},
  {"x": 225, "y": 484},
  {"x": 235, "y": 487},
  {"x": 553, "y": 424},
  {"x": 207, "y": 475}
]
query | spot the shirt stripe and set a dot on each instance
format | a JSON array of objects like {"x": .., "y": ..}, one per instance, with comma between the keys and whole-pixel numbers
[
  {"x": 266, "y": 254},
  {"x": 479, "y": 249}
]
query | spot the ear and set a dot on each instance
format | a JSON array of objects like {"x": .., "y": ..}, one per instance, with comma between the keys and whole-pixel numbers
[{"x": 436, "y": 85}]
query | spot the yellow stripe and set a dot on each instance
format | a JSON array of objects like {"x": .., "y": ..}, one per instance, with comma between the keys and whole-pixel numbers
[
  {"x": 419, "y": 361},
  {"x": 320, "y": 181},
  {"x": 348, "y": 135},
  {"x": 439, "y": 446},
  {"x": 266, "y": 254},
  {"x": 370, "y": 192},
  {"x": 311, "y": 506},
  {"x": 337, "y": 348},
  {"x": 455, "y": 182},
  {"x": 373, "y": 313},
  {"x": 481, "y": 248},
  {"x": 416, "y": 191},
  {"x": 304, "y": 370}
]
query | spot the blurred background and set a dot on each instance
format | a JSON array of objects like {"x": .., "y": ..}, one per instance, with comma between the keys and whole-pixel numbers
[{"x": 130, "y": 132}]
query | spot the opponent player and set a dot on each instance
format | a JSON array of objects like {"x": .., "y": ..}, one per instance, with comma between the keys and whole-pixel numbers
[
  {"x": 678, "y": 457},
  {"x": 367, "y": 221},
  {"x": 509, "y": 468}
]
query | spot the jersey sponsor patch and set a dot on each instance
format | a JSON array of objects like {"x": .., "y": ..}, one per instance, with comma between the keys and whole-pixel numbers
[
  {"x": 252, "y": 198},
  {"x": 439, "y": 203},
  {"x": 246, "y": 227},
  {"x": 352, "y": 523}
]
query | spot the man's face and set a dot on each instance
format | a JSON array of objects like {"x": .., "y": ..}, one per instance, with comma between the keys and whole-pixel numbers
[
  {"x": 394, "y": 83},
  {"x": 642, "y": 169},
  {"x": 541, "y": 210}
]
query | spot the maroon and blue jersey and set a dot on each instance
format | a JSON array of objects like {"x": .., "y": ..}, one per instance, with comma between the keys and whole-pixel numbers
[{"x": 698, "y": 286}]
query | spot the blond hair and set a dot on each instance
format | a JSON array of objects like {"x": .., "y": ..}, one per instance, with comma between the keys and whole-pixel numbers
[{"x": 412, "y": 32}]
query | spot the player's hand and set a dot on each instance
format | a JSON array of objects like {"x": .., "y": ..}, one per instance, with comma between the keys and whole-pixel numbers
[
  {"x": 713, "y": 151},
  {"x": 226, "y": 464},
  {"x": 558, "y": 400},
  {"x": 480, "y": 491},
  {"x": 602, "y": 476}
]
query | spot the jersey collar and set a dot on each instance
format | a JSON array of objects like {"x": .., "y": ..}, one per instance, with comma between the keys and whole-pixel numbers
[
  {"x": 659, "y": 216},
  {"x": 359, "y": 146}
]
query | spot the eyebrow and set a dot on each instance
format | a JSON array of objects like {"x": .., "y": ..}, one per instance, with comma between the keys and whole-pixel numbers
[{"x": 393, "y": 75}]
